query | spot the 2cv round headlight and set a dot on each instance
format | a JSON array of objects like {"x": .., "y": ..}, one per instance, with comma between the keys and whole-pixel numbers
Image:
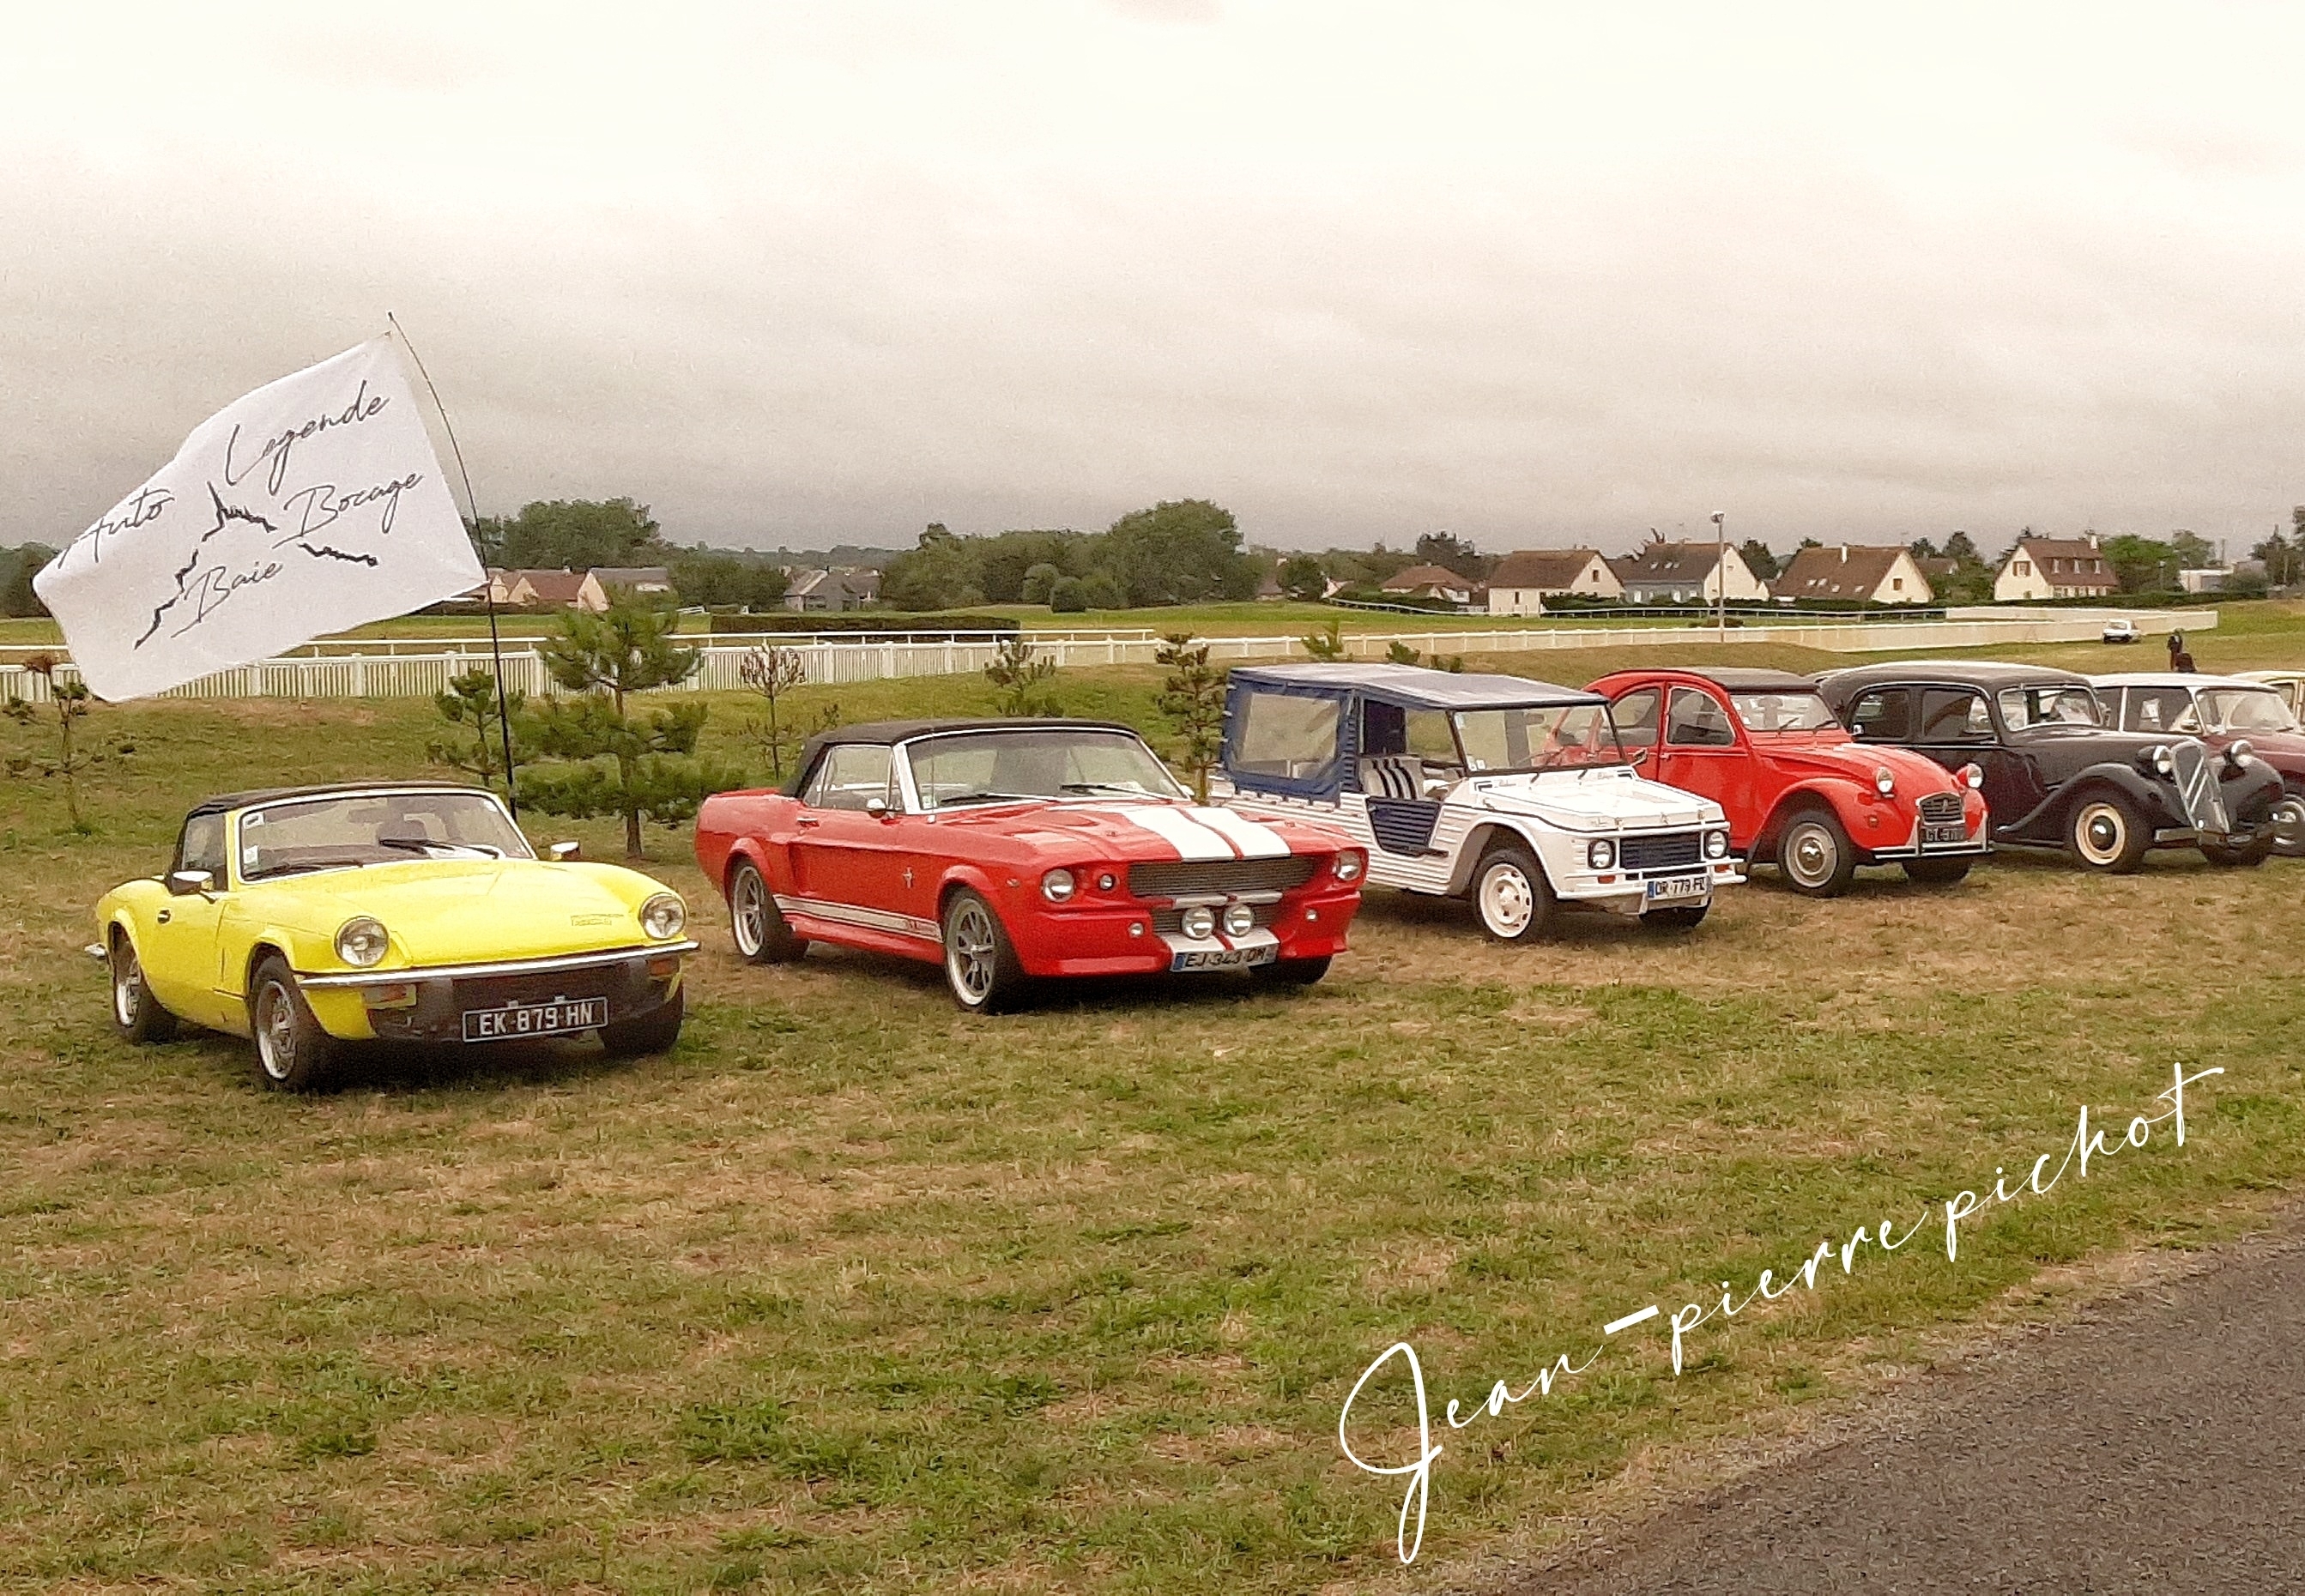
[
  {"x": 663, "y": 916},
  {"x": 1885, "y": 780},
  {"x": 361, "y": 941}
]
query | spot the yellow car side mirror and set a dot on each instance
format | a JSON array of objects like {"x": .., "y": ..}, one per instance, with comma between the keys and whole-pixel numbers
[
  {"x": 187, "y": 883},
  {"x": 562, "y": 852}
]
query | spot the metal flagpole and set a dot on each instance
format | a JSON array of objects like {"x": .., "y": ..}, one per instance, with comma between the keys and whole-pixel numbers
[
  {"x": 488, "y": 582},
  {"x": 1720, "y": 574}
]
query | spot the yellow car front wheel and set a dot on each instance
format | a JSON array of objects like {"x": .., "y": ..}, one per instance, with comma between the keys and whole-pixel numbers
[
  {"x": 293, "y": 1052},
  {"x": 136, "y": 1015}
]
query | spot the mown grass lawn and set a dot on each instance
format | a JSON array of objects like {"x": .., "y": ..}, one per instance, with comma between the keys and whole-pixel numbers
[{"x": 851, "y": 1292}]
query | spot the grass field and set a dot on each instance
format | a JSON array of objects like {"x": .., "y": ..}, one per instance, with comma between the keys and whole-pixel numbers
[{"x": 851, "y": 1292}]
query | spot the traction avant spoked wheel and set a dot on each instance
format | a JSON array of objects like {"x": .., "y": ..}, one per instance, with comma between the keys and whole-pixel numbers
[
  {"x": 293, "y": 1052},
  {"x": 981, "y": 967},
  {"x": 1511, "y": 894},
  {"x": 2107, "y": 834},
  {"x": 755, "y": 922},
  {"x": 1815, "y": 855},
  {"x": 136, "y": 1015}
]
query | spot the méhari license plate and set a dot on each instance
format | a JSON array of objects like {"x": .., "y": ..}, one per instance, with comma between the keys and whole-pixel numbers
[
  {"x": 1678, "y": 887},
  {"x": 1223, "y": 958},
  {"x": 556, "y": 1018}
]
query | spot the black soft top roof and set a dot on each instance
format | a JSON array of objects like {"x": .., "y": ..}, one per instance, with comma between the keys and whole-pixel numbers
[
  {"x": 224, "y": 801},
  {"x": 889, "y": 733},
  {"x": 1990, "y": 674}
]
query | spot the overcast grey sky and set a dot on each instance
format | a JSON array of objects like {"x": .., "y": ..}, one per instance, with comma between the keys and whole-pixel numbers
[{"x": 1536, "y": 274}]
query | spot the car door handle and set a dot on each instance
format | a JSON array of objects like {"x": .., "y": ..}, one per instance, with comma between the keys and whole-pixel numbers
[
  {"x": 162, "y": 917},
  {"x": 805, "y": 820}
]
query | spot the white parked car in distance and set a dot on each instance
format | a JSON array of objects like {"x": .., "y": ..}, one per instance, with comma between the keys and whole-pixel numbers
[
  {"x": 1513, "y": 793},
  {"x": 2123, "y": 630}
]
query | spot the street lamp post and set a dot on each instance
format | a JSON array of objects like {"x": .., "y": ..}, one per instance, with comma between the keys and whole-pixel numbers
[{"x": 1721, "y": 574}]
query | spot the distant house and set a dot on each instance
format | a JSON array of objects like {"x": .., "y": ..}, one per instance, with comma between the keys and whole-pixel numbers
[
  {"x": 2204, "y": 579},
  {"x": 642, "y": 579},
  {"x": 849, "y": 588},
  {"x": 1431, "y": 582},
  {"x": 1269, "y": 587},
  {"x": 1853, "y": 573},
  {"x": 1522, "y": 581},
  {"x": 554, "y": 589},
  {"x": 2041, "y": 568},
  {"x": 1662, "y": 572}
]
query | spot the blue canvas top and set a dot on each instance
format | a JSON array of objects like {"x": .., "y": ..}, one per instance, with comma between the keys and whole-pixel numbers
[{"x": 1412, "y": 686}]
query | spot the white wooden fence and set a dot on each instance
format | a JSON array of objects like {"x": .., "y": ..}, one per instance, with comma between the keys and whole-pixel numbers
[{"x": 383, "y": 670}]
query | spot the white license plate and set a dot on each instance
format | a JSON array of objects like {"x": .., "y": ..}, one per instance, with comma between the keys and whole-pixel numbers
[
  {"x": 1678, "y": 887},
  {"x": 1224, "y": 958},
  {"x": 556, "y": 1018},
  {"x": 1948, "y": 836}
]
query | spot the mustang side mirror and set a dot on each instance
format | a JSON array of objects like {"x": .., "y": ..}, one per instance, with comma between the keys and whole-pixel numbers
[
  {"x": 186, "y": 883},
  {"x": 877, "y": 808},
  {"x": 562, "y": 852}
]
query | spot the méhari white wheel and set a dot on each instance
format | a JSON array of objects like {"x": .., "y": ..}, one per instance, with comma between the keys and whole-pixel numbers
[{"x": 1511, "y": 894}]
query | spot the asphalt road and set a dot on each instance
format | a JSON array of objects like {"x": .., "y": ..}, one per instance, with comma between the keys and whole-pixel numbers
[{"x": 2158, "y": 1445}]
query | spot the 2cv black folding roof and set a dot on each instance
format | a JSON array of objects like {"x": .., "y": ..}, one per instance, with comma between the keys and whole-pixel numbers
[{"x": 1412, "y": 686}]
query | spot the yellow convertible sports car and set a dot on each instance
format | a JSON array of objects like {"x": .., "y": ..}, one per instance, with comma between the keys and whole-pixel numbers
[{"x": 310, "y": 917}]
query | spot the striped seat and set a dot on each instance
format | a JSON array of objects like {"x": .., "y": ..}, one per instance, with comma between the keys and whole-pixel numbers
[{"x": 1393, "y": 777}]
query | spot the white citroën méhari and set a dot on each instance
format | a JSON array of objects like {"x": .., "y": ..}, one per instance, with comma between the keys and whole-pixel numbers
[{"x": 1514, "y": 794}]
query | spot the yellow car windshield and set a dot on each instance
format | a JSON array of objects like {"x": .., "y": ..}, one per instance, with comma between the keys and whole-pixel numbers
[{"x": 342, "y": 831}]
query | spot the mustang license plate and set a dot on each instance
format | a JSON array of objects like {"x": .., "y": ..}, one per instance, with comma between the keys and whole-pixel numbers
[
  {"x": 1223, "y": 958},
  {"x": 1949, "y": 834},
  {"x": 1678, "y": 887},
  {"x": 535, "y": 1019}
]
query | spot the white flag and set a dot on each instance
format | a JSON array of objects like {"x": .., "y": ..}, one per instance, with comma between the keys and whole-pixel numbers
[{"x": 312, "y": 505}]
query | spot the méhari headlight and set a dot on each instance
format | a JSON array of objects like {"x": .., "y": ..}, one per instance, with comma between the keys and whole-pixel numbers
[
  {"x": 663, "y": 916},
  {"x": 361, "y": 941},
  {"x": 1716, "y": 844}
]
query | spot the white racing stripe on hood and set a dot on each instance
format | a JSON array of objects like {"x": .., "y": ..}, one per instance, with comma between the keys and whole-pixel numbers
[
  {"x": 1252, "y": 840},
  {"x": 1180, "y": 831}
]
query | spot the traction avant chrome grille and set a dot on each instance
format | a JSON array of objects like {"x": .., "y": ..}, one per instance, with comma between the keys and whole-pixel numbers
[
  {"x": 2196, "y": 781},
  {"x": 1939, "y": 808},
  {"x": 1180, "y": 877}
]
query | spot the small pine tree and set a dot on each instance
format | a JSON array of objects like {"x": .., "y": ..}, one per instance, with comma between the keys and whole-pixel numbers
[
  {"x": 1326, "y": 645},
  {"x": 773, "y": 673},
  {"x": 471, "y": 702},
  {"x": 1193, "y": 698},
  {"x": 1023, "y": 684},
  {"x": 1400, "y": 654}
]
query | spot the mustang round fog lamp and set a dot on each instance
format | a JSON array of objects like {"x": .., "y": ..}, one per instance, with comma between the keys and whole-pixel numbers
[
  {"x": 361, "y": 942},
  {"x": 1058, "y": 886},
  {"x": 1107, "y": 881},
  {"x": 1885, "y": 780},
  {"x": 1600, "y": 854},
  {"x": 1348, "y": 865},
  {"x": 1716, "y": 844},
  {"x": 663, "y": 916},
  {"x": 1200, "y": 922},
  {"x": 1972, "y": 776},
  {"x": 1240, "y": 920}
]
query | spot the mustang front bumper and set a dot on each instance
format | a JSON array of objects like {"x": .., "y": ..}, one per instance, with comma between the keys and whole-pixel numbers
[{"x": 429, "y": 1004}]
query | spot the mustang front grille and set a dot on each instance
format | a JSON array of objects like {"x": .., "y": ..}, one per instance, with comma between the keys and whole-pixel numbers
[
  {"x": 1187, "y": 878},
  {"x": 1939, "y": 808},
  {"x": 1660, "y": 850}
]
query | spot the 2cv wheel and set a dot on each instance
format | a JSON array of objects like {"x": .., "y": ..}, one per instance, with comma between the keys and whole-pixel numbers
[
  {"x": 1814, "y": 855},
  {"x": 1511, "y": 894},
  {"x": 2108, "y": 835}
]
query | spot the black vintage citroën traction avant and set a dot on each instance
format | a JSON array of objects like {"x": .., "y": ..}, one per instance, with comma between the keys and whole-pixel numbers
[{"x": 2057, "y": 774}]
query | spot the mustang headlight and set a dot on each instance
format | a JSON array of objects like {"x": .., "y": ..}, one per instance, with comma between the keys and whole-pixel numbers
[
  {"x": 1240, "y": 920},
  {"x": 1600, "y": 854},
  {"x": 1973, "y": 776},
  {"x": 1885, "y": 780},
  {"x": 1058, "y": 886},
  {"x": 663, "y": 916},
  {"x": 361, "y": 941},
  {"x": 1200, "y": 922},
  {"x": 2160, "y": 760},
  {"x": 1716, "y": 844},
  {"x": 1347, "y": 865}
]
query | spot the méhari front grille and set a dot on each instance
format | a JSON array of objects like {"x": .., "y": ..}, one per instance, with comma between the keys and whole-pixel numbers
[
  {"x": 1660, "y": 850},
  {"x": 1191, "y": 878}
]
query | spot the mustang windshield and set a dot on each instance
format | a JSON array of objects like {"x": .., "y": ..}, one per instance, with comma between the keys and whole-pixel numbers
[
  {"x": 2245, "y": 710},
  {"x": 2054, "y": 703},
  {"x": 1557, "y": 738},
  {"x": 355, "y": 828},
  {"x": 1021, "y": 762},
  {"x": 1783, "y": 712}
]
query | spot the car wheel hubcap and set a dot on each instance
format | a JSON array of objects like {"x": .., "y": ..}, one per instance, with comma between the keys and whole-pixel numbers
[
  {"x": 752, "y": 912},
  {"x": 1507, "y": 901},
  {"x": 1811, "y": 855},
  {"x": 2289, "y": 823},
  {"x": 127, "y": 985},
  {"x": 968, "y": 954},
  {"x": 2102, "y": 833},
  {"x": 275, "y": 1033}
]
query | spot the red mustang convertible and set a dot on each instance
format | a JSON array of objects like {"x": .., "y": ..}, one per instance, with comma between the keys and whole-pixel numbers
[
  {"x": 1798, "y": 789},
  {"x": 1015, "y": 849}
]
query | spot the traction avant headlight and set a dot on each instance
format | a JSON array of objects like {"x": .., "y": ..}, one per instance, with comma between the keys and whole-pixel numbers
[
  {"x": 663, "y": 916},
  {"x": 361, "y": 942},
  {"x": 2161, "y": 759}
]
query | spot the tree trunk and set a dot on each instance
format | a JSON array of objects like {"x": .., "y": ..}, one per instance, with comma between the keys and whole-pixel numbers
[{"x": 632, "y": 835}]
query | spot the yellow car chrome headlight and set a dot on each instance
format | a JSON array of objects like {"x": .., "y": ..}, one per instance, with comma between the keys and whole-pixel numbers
[
  {"x": 361, "y": 942},
  {"x": 663, "y": 916}
]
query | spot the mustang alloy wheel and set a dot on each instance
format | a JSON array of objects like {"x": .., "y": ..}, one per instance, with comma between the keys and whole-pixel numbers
[
  {"x": 980, "y": 966},
  {"x": 756, "y": 924},
  {"x": 1814, "y": 855},
  {"x": 293, "y": 1052},
  {"x": 2108, "y": 835},
  {"x": 1511, "y": 894},
  {"x": 136, "y": 1014}
]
